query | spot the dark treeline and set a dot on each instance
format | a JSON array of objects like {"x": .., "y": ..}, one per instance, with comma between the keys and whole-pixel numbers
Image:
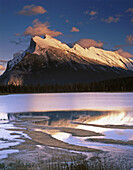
[{"x": 114, "y": 85}]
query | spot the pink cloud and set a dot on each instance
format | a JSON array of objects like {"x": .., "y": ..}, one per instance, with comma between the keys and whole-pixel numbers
[
  {"x": 129, "y": 39},
  {"x": 124, "y": 53},
  {"x": 111, "y": 19},
  {"x": 92, "y": 13},
  {"x": 74, "y": 29},
  {"x": 67, "y": 21},
  {"x": 86, "y": 12},
  {"x": 3, "y": 61},
  {"x": 2, "y": 68},
  {"x": 32, "y": 10},
  {"x": 3, "y": 64},
  {"x": 129, "y": 10},
  {"x": 121, "y": 45},
  {"x": 129, "y": 42},
  {"x": 86, "y": 43},
  {"x": 40, "y": 29},
  {"x": 17, "y": 34}
]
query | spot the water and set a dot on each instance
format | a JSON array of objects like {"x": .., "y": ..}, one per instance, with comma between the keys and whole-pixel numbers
[
  {"x": 65, "y": 101},
  {"x": 65, "y": 108},
  {"x": 66, "y": 118}
]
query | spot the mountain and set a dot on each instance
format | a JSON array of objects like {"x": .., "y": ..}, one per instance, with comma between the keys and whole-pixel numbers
[{"x": 48, "y": 61}]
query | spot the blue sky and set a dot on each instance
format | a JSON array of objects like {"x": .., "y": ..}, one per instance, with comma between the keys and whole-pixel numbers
[{"x": 109, "y": 22}]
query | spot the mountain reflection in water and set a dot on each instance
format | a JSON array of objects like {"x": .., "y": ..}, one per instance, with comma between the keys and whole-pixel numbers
[{"x": 65, "y": 119}]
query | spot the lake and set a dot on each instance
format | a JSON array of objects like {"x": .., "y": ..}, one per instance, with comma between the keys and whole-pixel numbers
[
  {"x": 109, "y": 114},
  {"x": 65, "y": 101}
]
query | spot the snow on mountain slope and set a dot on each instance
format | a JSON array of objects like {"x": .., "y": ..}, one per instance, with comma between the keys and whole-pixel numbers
[
  {"x": 49, "y": 41},
  {"x": 39, "y": 45},
  {"x": 18, "y": 58},
  {"x": 109, "y": 58}
]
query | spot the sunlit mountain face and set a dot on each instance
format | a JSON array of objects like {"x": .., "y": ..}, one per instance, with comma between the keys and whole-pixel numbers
[{"x": 49, "y": 61}]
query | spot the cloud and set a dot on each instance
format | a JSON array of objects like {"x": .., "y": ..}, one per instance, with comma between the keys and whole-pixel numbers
[
  {"x": 93, "y": 17},
  {"x": 131, "y": 19},
  {"x": 17, "y": 34},
  {"x": 92, "y": 13},
  {"x": 86, "y": 43},
  {"x": 32, "y": 10},
  {"x": 86, "y": 12},
  {"x": 124, "y": 53},
  {"x": 129, "y": 39},
  {"x": 67, "y": 21},
  {"x": 129, "y": 42},
  {"x": 40, "y": 29},
  {"x": 15, "y": 42},
  {"x": 62, "y": 16},
  {"x": 74, "y": 29},
  {"x": 2, "y": 68},
  {"x": 111, "y": 19},
  {"x": 3, "y": 61},
  {"x": 121, "y": 45},
  {"x": 20, "y": 40},
  {"x": 130, "y": 10}
]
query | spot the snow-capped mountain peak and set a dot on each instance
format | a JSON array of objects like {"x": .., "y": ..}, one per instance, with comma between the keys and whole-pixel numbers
[
  {"x": 49, "y": 41},
  {"x": 109, "y": 58},
  {"x": 49, "y": 61},
  {"x": 97, "y": 55}
]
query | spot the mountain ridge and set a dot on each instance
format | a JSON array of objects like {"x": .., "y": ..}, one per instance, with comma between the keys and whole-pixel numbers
[
  {"x": 93, "y": 53},
  {"x": 50, "y": 61}
]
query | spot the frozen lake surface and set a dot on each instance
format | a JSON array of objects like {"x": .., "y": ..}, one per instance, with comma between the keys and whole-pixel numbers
[{"x": 65, "y": 101}]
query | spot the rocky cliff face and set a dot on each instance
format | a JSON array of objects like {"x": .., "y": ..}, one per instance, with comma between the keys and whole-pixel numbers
[{"x": 48, "y": 61}]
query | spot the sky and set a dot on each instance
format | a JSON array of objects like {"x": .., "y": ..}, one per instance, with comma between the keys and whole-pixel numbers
[{"x": 106, "y": 24}]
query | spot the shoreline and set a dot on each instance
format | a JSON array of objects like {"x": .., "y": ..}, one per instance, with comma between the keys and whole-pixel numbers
[{"x": 68, "y": 92}]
